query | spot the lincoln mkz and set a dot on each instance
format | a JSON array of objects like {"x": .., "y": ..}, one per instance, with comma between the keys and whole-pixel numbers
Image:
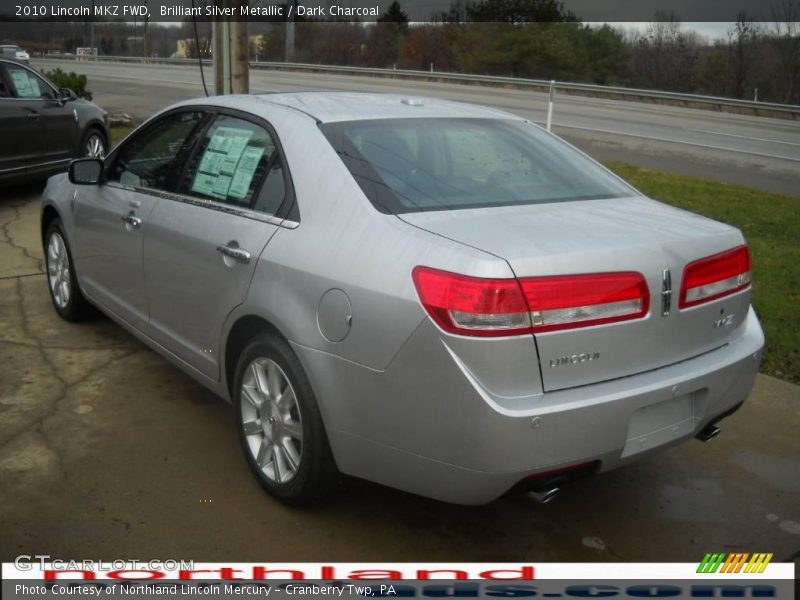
[{"x": 439, "y": 297}]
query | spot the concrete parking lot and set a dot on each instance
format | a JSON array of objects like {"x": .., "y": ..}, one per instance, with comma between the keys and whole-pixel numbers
[{"x": 106, "y": 451}]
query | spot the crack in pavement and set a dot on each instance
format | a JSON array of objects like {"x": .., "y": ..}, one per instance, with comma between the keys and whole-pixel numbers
[
  {"x": 10, "y": 239},
  {"x": 39, "y": 424},
  {"x": 54, "y": 347},
  {"x": 35, "y": 274}
]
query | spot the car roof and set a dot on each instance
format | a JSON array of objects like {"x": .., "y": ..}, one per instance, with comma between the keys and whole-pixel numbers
[{"x": 331, "y": 107}]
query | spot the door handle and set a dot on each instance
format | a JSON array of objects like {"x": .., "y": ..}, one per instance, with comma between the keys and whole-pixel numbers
[
  {"x": 32, "y": 115},
  {"x": 234, "y": 252},
  {"x": 132, "y": 220}
]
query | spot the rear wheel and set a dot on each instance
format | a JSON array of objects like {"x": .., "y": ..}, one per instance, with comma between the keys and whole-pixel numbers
[
  {"x": 279, "y": 423},
  {"x": 62, "y": 282}
]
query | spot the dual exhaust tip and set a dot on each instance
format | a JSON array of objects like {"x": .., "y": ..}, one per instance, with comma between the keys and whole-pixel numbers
[
  {"x": 709, "y": 432},
  {"x": 546, "y": 495}
]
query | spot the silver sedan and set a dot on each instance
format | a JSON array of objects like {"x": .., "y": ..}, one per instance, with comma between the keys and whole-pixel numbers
[{"x": 439, "y": 297}]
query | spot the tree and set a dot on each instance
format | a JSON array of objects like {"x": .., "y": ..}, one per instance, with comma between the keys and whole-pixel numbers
[
  {"x": 456, "y": 13},
  {"x": 397, "y": 16},
  {"x": 386, "y": 36},
  {"x": 743, "y": 39},
  {"x": 786, "y": 39},
  {"x": 429, "y": 44},
  {"x": 665, "y": 57},
  {"x": 607, "y": 56},
  {"x": 519, "y": 11},
  {"x": 713, "y": 74}
]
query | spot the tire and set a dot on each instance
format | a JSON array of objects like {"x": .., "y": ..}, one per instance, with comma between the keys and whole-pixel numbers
[
  {"x": 94, "y": 144},
  {"x": 299, "y": 468},
  {"x": 62, "y": 282}
]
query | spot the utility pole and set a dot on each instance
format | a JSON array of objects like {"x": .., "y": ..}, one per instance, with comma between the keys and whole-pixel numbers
[
  {"x": 91, "y": 31},
  {"x": 240, "y": 54},
  {"x": 288, "y": 49},
  {"x": 146, "y": 23},
  {"x": 231, "y": 51}
]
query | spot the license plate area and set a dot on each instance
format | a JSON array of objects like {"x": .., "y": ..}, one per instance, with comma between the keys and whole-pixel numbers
[{"x": 660, "y": 423}]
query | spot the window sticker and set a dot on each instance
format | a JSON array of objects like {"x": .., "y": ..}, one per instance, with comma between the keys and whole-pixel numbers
[
  {"x": 220, "y": 160},
  {"x": 245, "y": 170},
  {"x": 23, "y": 84}
]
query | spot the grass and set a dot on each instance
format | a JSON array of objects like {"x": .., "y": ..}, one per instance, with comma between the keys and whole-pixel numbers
[
  {"x": 771, "y": 224},
  {"x": 117, "y": 134}
]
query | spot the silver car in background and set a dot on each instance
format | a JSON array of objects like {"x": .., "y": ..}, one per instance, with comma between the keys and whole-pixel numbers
[
  {"x": 438, "y": 297},
  {"x": 15, "y": 52}
]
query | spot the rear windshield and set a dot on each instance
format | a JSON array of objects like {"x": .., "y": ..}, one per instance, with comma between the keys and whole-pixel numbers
[{"x": 412, "y": 165}]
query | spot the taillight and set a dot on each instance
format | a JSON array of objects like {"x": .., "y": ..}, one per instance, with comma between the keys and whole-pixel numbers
[
  {"x": 496, "y": 307},
  {"x": 472, "y": 305},
  {"x": 715, "y": 276},
  {"x": 582, "y": 300}
]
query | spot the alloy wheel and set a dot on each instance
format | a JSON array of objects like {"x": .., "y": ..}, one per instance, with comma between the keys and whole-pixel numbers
[
  {"x": 95, "y": 146},
  {"x": 271, "y": 420},
  {"x": 58, "y": 270}
]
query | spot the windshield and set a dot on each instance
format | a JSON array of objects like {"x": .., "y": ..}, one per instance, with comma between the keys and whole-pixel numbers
[{"x": 411, "y": 165}]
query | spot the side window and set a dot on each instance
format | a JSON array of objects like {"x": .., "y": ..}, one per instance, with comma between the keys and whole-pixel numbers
[
  {"x": 28, "y": 85},
  {"x": 149, "y": 158},
  {"x": 236, "y": 163}
]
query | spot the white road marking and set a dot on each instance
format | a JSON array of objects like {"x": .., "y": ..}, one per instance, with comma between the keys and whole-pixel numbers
[
  {"x": 747, "y": 137},
  {"x": 674, "y": 141}
]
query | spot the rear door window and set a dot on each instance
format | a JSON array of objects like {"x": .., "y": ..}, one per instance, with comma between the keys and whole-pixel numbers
[{"x": 236, "y": 162}]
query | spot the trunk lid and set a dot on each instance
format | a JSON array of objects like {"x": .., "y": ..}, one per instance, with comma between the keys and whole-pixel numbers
[{"x": 596, "y": 236}]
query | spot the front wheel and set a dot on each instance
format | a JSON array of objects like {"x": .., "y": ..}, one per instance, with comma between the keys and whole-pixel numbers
[
  {"x": 279, "y": 423},
  {"x": 62, "y": 282}
]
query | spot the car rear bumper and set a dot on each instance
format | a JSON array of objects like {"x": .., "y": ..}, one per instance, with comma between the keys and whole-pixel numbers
[{"x": 426, "y": 424}]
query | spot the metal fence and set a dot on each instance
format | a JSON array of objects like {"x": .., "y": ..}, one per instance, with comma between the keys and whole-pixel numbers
[{"x": 583, "y": 89}]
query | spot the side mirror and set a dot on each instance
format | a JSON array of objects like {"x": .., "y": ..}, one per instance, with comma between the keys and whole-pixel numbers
[
  {"x": 85, "y": 171},
  {"x": 66, "y": 95}
]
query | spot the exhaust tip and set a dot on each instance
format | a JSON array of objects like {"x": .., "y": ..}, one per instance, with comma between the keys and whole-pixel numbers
[
  {"x": 708, "y": 433},
  {"x": 544, "y": 496}
]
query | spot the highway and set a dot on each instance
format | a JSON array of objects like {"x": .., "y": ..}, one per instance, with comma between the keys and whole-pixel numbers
[{"x": 756, "y": 151}]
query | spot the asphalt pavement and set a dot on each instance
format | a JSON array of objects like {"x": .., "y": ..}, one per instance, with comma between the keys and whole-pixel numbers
[
  {"x": 759, "y": 152},
  {"x": 107, "y": 452}
]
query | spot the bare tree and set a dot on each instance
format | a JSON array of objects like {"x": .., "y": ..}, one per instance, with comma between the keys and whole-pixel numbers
[
  {"x": 786, "y": 38},
  {"x": 665, "y": 56},
  {"x": 743, "y": 38}
]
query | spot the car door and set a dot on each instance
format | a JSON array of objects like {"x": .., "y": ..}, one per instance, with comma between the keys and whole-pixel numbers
[
  {"x": 204, "y": 241},
  {"x": 113, "y": 219},
  {"x": 57, "y": 128},
  {"x": 20, "y": 122}
]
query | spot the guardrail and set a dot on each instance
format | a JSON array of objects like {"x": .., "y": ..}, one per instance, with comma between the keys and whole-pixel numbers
[{"x": 583, "y": 89}]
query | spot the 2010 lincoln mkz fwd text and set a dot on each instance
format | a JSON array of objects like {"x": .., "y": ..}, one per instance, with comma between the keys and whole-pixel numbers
[{"x": 439, "y": 297}]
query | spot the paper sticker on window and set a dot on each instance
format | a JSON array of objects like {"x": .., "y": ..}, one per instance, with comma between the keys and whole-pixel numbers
[
  {"x": 204, "y": 184},
  {"x": 245, "y": 171},
  {"x": 220, "y": 160},
  {"x": 23, "y": 84}
]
